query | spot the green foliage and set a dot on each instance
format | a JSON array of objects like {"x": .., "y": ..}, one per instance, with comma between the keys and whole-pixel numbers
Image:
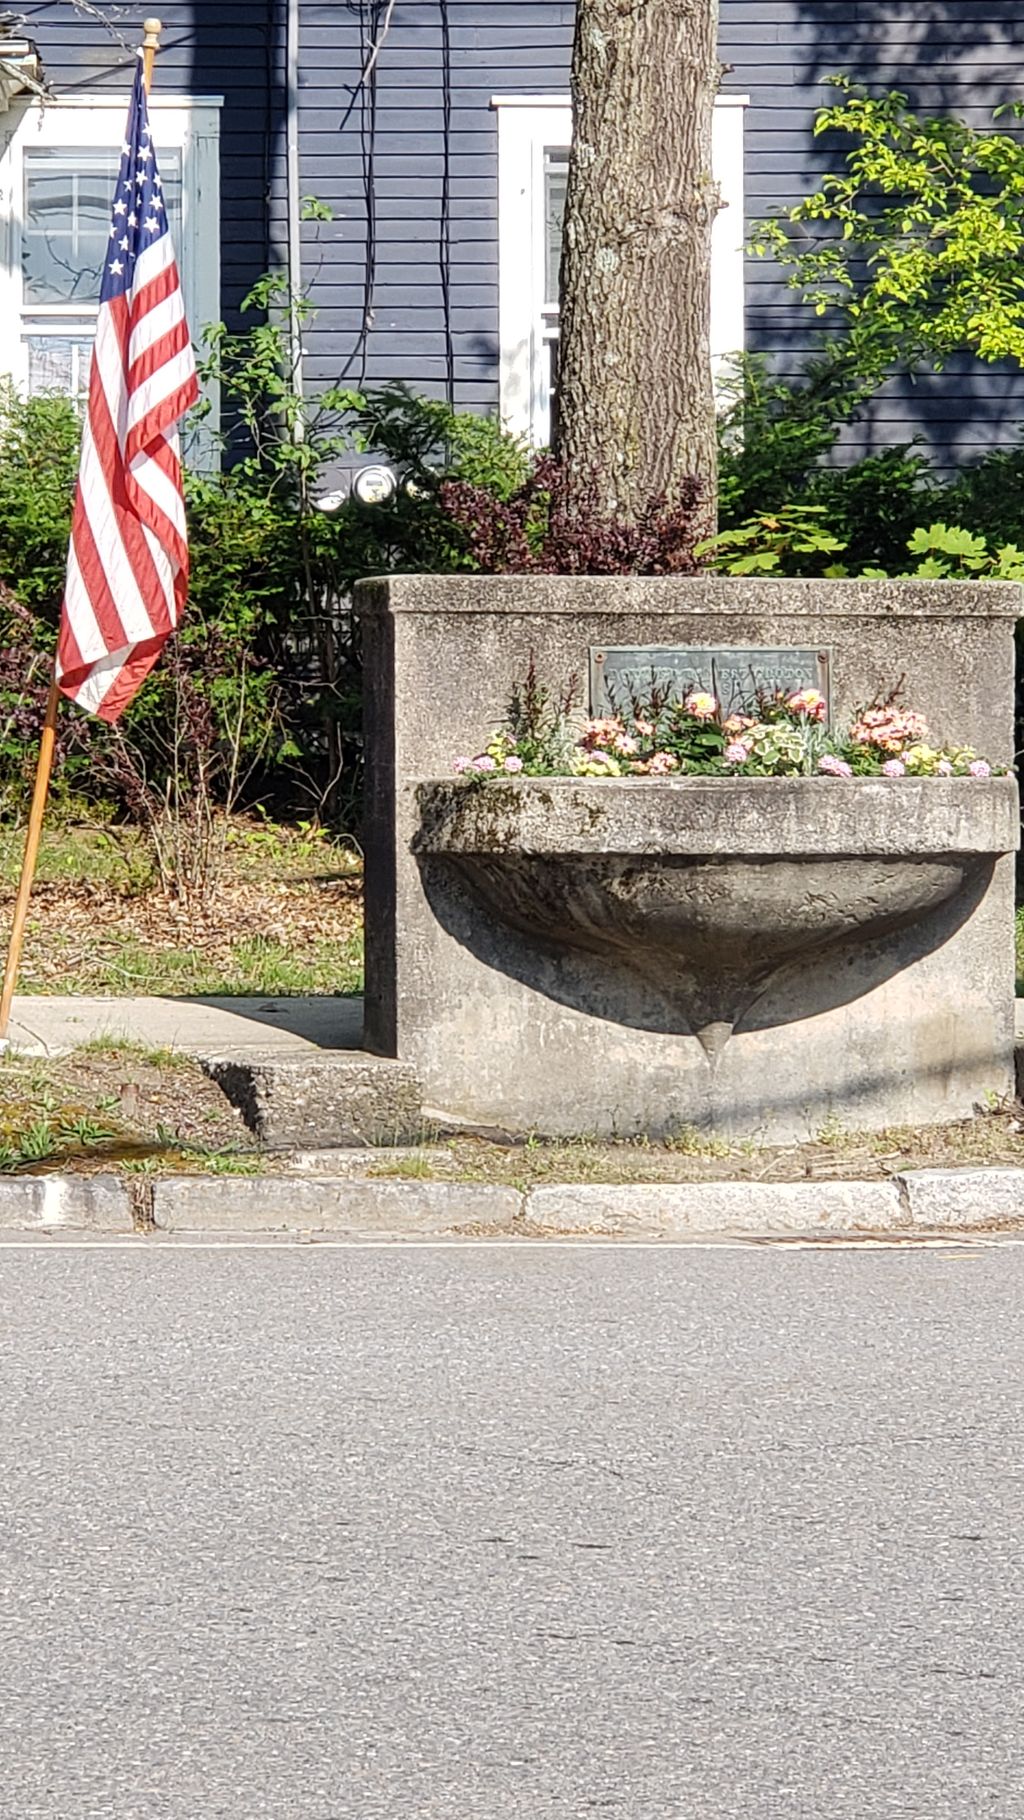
[
  {"x": 792, "y": 541},
  {"x": 38, "y": 469},
  {"x": 259, "y": 697},
  {"x": 874, "y": 505},
  {"x": 796, "y": 541},
  {"x": 429, "y": 442},
  {"x": 774, "y": 433},
  {"x": 949, "y": 550},
  {"x": 915, "y": 249}
]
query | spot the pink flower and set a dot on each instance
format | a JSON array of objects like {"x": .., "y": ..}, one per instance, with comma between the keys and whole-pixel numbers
[
  {"x": 662, "y": 763},
  {"x": 513, "y": 764},
  {"x": 980, "y": 769},
  {"x": 945, "y": 769},
  {"x": 889, "y": 728},
  {"x": 701, "y": 705},
  {"x": 461, "y": 764},
  {"x": 834, "y": 767},
  {"x": 808, "y": 702},
  {"x": 894, "y": 767},
  {"x": 625, "y": 745},
  {"x": 737, "y": 753},
  {"x": 599, "y": 735},
  {"x": 737, "y": 723},
  {"x": 486, "y": 763},
  {"x": 645, "y": 728}
]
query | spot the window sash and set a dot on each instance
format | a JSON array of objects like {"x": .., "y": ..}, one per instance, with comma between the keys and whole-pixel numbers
[
  {"x": 533, "y": 134},
  {"x": 186, "y": 131}
]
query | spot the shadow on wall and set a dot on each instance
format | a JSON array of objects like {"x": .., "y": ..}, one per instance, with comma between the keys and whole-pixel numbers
[
  {"x": 239, "y": 53},
  {"x": 943, "y": 53},
  {"x": 947, "y": 59},
  {"x": 683, "y": 975}
]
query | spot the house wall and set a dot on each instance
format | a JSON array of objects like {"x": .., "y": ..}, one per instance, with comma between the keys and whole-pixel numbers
[
  {"x": 232, "y": 48},
  {"x": 386, "y": 141},
  {"x": 405, "y": 276}
]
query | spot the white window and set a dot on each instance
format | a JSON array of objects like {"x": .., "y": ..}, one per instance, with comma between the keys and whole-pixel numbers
[
  {"x": 58, "y": 162},
  {"x": 534, "y": 134}
]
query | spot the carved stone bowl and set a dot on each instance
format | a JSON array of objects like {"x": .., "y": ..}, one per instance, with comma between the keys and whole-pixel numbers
[{"x": 709, "y": 887}]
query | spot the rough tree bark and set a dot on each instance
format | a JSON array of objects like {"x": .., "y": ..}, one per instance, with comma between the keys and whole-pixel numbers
[{"x": 635, "y": 399}]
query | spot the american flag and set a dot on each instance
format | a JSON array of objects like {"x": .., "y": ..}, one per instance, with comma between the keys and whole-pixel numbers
[{"x": 127, "y": 573}]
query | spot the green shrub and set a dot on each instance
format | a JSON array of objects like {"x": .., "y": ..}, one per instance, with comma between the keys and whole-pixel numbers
[
  {"x": 261, "y": 690},
  {"x": 913, "y": 250}
]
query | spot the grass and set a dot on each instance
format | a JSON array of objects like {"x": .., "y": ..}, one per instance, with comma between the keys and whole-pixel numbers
[
  {"x": 994, "y": 1136},
  {"x": 254, "y": 965},
  {"x": 126, "y": 1049},
  {"x": 118, "y": 1105},
  {"x": 283, "y": 921}
]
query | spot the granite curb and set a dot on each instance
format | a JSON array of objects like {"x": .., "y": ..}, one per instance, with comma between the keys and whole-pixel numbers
[{"x": 924, "y": 1201}]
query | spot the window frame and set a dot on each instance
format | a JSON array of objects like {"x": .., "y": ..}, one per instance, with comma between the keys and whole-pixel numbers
[
  {"x": 530, "y": 126},
  {"x": 188, "y": 125}
]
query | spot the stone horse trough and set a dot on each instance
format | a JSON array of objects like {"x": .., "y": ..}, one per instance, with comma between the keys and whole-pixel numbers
[{"x": 636, "y": 955}]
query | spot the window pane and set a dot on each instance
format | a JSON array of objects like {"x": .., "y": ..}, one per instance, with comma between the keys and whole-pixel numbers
[
  {"x": 59, "y": 363},
  {"x": 68, "y": 197},
  {"x": 556, "y": 171}
]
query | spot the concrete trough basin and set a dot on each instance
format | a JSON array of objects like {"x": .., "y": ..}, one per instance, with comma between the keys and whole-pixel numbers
[
  {"x": 636, "y": 957},
  {"x": 710, "y": 889}
]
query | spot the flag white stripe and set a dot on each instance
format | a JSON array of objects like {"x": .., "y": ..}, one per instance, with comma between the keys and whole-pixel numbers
[
  {"x": 161, "y": 489},
  {"x": 152, "y": 260},
  {"x": 106, "y": 533},
  {"x": 108, "y": 362},
  {"x": 128, "y": 532},
  {"x": 156, "y": 322},
  {"x": 160, "y": 385}
]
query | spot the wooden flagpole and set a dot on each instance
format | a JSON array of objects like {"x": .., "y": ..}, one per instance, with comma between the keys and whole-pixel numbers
[{"x": 151, "y": 29}]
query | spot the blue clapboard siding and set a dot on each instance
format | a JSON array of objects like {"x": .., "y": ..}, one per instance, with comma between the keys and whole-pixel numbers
[
  {"x": 378, "y": 159},
  {"x": 962, "y": 56},
  {"x": 948, "y": 54},
  {"x": 397, "y": 229}
]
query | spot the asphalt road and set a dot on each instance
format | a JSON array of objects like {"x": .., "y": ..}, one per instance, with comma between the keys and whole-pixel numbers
[{"x": 462, "y": 1534}]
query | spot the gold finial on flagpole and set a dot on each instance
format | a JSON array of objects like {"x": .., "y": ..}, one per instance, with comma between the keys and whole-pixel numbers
[{"x": 151, "y": 29}]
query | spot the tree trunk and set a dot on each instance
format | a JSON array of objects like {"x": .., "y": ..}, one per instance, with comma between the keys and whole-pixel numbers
[{"x": 635, "y": 400}]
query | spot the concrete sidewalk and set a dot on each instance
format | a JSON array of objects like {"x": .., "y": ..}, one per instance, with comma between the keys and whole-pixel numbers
[{"x": 44, "y": 1025}]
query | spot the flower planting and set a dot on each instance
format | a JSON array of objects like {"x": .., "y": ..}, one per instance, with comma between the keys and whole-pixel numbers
[{"x": 785, "y": 735}]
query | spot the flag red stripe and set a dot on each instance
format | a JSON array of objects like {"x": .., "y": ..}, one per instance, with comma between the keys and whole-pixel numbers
[
  {"x": 128, "y": 563},
  {"x": 94, "y": 575},
  {"x": 136, "y": 548},
  {"x": 156, "y": 291},
  {"x": 174, "y": 342}
]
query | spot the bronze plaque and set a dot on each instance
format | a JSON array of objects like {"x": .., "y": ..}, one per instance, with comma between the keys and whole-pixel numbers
[{"x": 624, "y": 676}]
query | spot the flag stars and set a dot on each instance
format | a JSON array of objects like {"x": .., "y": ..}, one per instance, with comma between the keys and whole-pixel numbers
[
  {"x": 124, "y": 244},
  {"x": 151, "y": 224},
  {"x": 133, "y": 220},
  {"x": 120, "y": 208},
  {"x": 116, "y": 266}
]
